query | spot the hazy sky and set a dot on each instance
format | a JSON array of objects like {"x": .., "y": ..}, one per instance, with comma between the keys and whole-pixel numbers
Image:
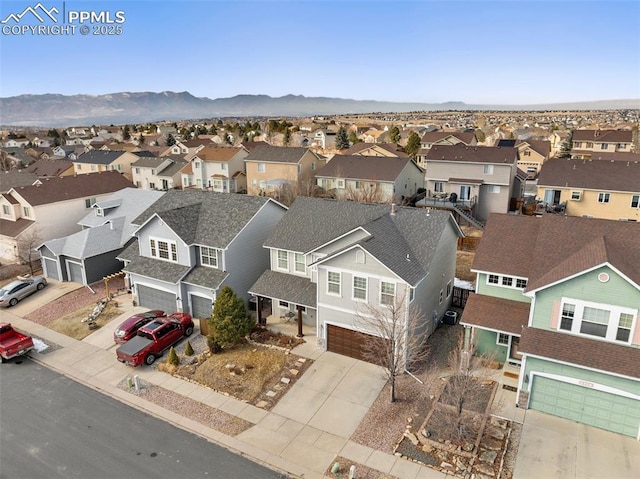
[{"x": 506, "y": 52}]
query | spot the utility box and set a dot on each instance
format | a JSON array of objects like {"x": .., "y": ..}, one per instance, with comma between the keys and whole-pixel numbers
[{"x": 450, "y": 317}]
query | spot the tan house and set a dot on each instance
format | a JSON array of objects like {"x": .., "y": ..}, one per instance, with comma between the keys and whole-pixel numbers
[
  {"x": 531, "y": 154},
  {"x": 380, "y": 149},
  {"x": 591, "y": 188},
  {"x": 217, "y": 168},
  {"x": 105, "y": 160},
  {"x": 587, "y": 143},
  {"x": 442, "y": 138},
  {"x": 153, "y": 173},
  {"x": 370, "y": 179},
  {"x": 270, "y": 168}
]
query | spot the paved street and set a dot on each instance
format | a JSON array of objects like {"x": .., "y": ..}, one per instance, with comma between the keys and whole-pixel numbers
[{"x": 54, "y": 427}]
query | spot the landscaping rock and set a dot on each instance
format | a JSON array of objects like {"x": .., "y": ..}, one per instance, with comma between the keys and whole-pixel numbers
[
  {"x": 294, "y": 372},
  {"x": 485, "y": 470},
  {"x": 492, "y": 444},
  {"x": 285, "y": 380},
  {"x": 488, "y": 456},
  {"x": 262, "y": 404},
  {"x": 270, "y": 394}
]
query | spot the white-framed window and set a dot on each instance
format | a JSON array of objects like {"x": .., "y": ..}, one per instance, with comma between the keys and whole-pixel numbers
[
  {"x": 137, "y": 171},
  {"x": 493, "y": 279},
  {"x": 224, "y": 166},
  {"x": 635, "y": 201},
  {"x": 610, "y": 322},
  {"x": 577, "y": 144},
  {"x": 493, "y": 189},
  {"x": 26, "y": 211},
  {"x": 313, "y": 165},
  {"x": 262, "y": 167},
  {"x": 465, "y": 192},
  {"x": 521, "y": 283},
  {"x": 209, "y": 256},
  {"x": 79, "y": 166},
  {"x": 507, "y": 281},
  {"x": 283, "y": 304},
  {"x": 333, "y": 282},
  {"x": 196, "y": 165},
  {"x": 589, "y": 144},
  {"x": 359, "y": 288},
  {"x": 527, "y": 152},
  {"x": 300, "y": 263},
  {"x": 387, "y": 292},
  {"x": 438, "y": 187},
  {"x": 488, "y": 169},
  {"x": 217, "y": 184},
  {"x": 5, "y": 209},
  {"x": 299, "y": 167},
  {"x": 412, "y": 294},
  {"x": 604, "y": 146},
  {"x": 152, "y": 186},
  {"x": 502, "y": 339},
  {"x": 340, "y": 183},
  {"x": 449, "y": 288},
  {"x": 263, "y": 184},
  {"x": 163, "y": 249},
  {"x": 89, "y": 202},
  {"x": 604, "y": 197},
  {"x": 283, "y": 259},
  {"x": 576, "y": 195}
]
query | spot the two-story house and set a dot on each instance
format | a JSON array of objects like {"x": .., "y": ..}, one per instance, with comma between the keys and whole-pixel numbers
[
  {"x": 217, "y": 168},
  {"x": 270, "y": 168},
  {"x": 370, "y": 179},
  {"x": 559, "y": 296},
  {"x": 153, "y": 173},
  {"x": 51, "y": 208},
  {"x": 90, "y": 254},
  {"x": 591, "y": 188},
  {"x": 531, "y": 154},
  {"x": 191, "y": 243},
  {"x": 380, "y": 149},
  {"x": 479, "y": 179},
  {"x": 586, "y": 143},
  {"x": 105, "y": 160},
  {"x": 331, "y": 258},
  {"x": 57, "y": 167},
  {"x": 442, "y": 138}
]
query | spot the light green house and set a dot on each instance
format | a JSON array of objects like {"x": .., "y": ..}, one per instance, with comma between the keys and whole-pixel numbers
[{"x": 559, "y": 296}]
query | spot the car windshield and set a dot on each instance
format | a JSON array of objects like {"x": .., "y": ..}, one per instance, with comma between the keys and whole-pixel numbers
[{"x": 3, "y": 292}]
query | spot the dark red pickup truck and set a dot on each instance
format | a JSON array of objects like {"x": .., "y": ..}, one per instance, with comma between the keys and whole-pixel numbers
[
  {"x": 13, "y": 343},
  {"x": 154, "y": 338}
]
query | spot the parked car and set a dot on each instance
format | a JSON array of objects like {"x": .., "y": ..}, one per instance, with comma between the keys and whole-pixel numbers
[
  {"x": 130, "y": 326},
  {"x": 154, "y": 338},
  {"x": 13, "y": 292},
  {"x": 13, "y": 343}
]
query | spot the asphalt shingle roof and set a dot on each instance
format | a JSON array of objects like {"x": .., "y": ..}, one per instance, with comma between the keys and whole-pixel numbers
[
  {"x": 372, "y": 168},
  {"x": 474, "y": 154},
  {"x": 287, "y": 287},
  {"x": 611, "y": 136},
  {"x": 156, "y": 269},
  {"x": 591, "y": 174},
  {"x": 99, "y": 157},
  {"x": 204, "y": 276},
  {"x": 497, "y": 314},
  {"x": 276, "y": 154},
  {"x": 16, "y": 178}
]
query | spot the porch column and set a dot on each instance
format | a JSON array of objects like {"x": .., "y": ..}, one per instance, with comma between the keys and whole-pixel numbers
[
  {"x": 467, "y": 338},
  {"x": 259, "y": 309},
  {"x": 300, "y": 322}
]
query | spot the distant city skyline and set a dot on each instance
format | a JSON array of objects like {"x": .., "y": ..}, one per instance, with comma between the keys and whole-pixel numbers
[{"x": 477, "y": 52}]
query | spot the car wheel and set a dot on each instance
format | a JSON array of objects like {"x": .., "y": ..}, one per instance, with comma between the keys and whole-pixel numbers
[
  {"x": 189, "y": 331},
  {"x": 13, "y": 301},
  {"x": 40, "y": 286},
  {"x": 149, "y": 360},
  {"x": 3, "y": 359}
]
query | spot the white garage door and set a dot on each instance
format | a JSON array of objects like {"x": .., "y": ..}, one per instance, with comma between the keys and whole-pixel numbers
[
  {"x": 75, "y": 272},
  {"x": 156, "y": 299},
  {"x": 201, "y": 307},
  {"x": 51, "y": 267}
]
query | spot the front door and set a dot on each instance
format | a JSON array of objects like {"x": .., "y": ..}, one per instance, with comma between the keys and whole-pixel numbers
[
  {"x": 165, "y": 185},
  {"x": 514, "y": 349},
  {"x": 465, "y": 192}
]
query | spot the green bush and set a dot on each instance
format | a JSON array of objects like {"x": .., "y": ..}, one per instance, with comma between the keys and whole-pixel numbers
[
  {"x": 231, "y": 321},
  {"x": 188, "y": 349},
  {"x": 173, "y": 358}
]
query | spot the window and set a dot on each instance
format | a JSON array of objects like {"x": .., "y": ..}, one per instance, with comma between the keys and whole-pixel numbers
[
  {"x": 254, "y": 182},
  {"x": 527, "y": 152},
  {"x": 300, "y": 264},
  {"x": 283, "y": 304},
  {"x": 594, "y": 321},
  {"x": 137, "y": 170},
  {"x": 99, "y": 212},
  {"x": 604, "y": 146},
  {"x": 139, "y": 183},
  {"x": 507, "y": 281},
  {"x": 635, "y": 201},
  {"x": 488, "y": 169},
  {"x": 340, "y": 183},
  {"x": 299, "y": 168},
  {"x": 283, "y": 260},
  {"x": 79, "y": 166},
  {"x": 577, "y": 144},
  {"x": 566, "y": 320},
  {"x": 589, "y": 144},
  {"x": 164, "y": 249},
  {"x": 412, "y": 294},
  {"x": 360, "y": 257},
  {"x": 624, "y": 327},
  {"x": 209, "y": 256},
  {"x": 465, "y": 192},
  {"x": 603, "y": 197},
  {"x": 359, "y": 288},
  {"x": 26, "y": 211},
  {"x": 521, "y": 283},
  {"x": 493, "y": 189},
  {"x": 503, "y": 339},
  {"x": 93, "y": 167},
  {"x": 576, "y": 195},
  {"x": 196, "y": 165},
  {"x": 387, "y": 292},
  {"x": 5, "y": 209},
  {"x": 313, "y": 165},
  {"x": 89, "y": 202},
  {"x": 493, "y": 279},
  {"x": 224, "y": 167},
  {"x": 261, "y": 167},
  {"x": 438, "y": 187},
  {"x": 152, "y": 186},
  {"x": 333, "y": 283},
  {"x": 217, "y": 184},
  {"x": 357, "y": 185},
  {"x": 441, "y": 296},
  {"x": 449, "y": 288}
]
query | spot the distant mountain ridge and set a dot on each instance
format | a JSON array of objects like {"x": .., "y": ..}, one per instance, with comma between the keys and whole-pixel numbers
[{"x": 140, "y": 107}]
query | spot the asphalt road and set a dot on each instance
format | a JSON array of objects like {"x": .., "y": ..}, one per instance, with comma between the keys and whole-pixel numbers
[{"x": 52, "y": 427}]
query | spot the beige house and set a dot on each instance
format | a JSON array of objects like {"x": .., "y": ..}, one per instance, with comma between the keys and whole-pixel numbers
[
  {"x": 105, "y": 160},
  {"x": 442, "y": 138},
  {"x": 591, "y": 188},
  {"x": 531, "y": 154},
  {"x": 153, "y": 173},
  {"x": 270, "y": 168},
  {"x": 217, "y": 168},
  {"x": 587, "y": 143},
  {"x": 381, "y": 149}
]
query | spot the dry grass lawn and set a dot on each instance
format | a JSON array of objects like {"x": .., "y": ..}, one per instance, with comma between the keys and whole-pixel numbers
[
  {"x": 463, "y": 266},
  {"x": 242, "y": 371},
  {"x": 72, "y": 325}
]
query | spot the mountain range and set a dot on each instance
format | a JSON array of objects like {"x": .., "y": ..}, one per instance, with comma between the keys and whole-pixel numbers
[{"x": 140, "y": 107}]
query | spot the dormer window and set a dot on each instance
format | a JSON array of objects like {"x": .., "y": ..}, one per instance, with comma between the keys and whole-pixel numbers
[{"x": 99, "y": 212}]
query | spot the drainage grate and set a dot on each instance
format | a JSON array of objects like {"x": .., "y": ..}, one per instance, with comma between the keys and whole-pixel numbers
[{"x": 509, "y": 388}]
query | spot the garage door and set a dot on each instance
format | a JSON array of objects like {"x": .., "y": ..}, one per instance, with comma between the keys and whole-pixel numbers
[
  {"x": 75, "y": 272},
  {"x": 156, "y": 299},
  {"x": 348, "y": 342},
  {"x": 201, "y": 307},
  {"x": 51, "y": 267},
  {"x": 586, "y": 405}
]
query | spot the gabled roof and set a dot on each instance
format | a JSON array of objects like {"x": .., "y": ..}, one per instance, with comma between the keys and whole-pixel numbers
[
  {"x": 405, "y": 242},
  {"x": 276, "y": 154},
  {"x": 205, "y": 217},
  {"x": 611, "y": 136},
  {"x": 496, "y": 314},
  {"x": 374, "y": 168},
  {"x": 289, "y": 287},
  {"x": 99, "y": 157},
  {"x": 473, "y": 154},
  {"x": 590, "y": 174},
  {"x": 13, "y": 228},
  {"x": 49, "y": 167},
  {"x": 218, "y": 153},
  {"x": 551, "y": 248},
  {"x": 360, "y": 147},
  {"x": 16, "y": 178},
  {"x": 434, "y": 136},
  {"x": 540, "y": 146},
  {"x": 63, "y": 188},
  {"x": 149, "y": 162},
  {"x": 613, "y": 156}
]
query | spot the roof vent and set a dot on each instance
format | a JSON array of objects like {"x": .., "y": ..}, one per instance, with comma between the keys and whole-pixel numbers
[{"x": 394, "y": 209}]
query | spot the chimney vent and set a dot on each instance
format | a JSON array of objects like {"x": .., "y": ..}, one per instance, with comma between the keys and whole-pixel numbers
[{"x": 394, "y": 209}]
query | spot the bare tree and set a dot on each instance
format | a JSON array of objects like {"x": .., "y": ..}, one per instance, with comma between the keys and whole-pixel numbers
[
  {"x": 397, "y": 339},
  {"x": 368, "y": 192},
  {"x": 25, "y": 251}
]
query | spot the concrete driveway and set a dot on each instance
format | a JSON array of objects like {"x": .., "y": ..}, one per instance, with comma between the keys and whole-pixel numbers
[
  {"x": 50, "y": 293},
  {"x": 552, "y": 447}
]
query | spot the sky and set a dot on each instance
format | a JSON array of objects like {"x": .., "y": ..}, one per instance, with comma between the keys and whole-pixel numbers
[{"x": 506, "y": 52}]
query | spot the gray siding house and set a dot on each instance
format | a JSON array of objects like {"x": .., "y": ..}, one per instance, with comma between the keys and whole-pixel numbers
[
  {"x": 331, "y": 258},
  {"x": 191, "y": 243}
]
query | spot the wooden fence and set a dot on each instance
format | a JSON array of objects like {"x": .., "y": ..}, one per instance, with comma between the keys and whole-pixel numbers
[
  {"x": 460, "y": 296},
  {"x": 468, "y": 243}
]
